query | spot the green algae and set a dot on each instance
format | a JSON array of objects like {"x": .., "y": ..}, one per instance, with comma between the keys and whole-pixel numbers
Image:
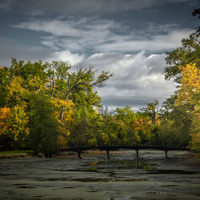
[{"x": 121, "y": 164}]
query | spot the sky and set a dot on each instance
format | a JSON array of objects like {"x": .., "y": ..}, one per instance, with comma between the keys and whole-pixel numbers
[{"x": 129, "y": 38}]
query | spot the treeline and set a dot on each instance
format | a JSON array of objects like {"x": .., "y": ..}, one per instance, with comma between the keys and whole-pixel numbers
[{"x": 49, "y": 106}]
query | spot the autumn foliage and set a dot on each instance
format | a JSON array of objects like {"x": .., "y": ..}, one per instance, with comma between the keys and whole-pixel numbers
[
  {"x": 49, "y": 106},
  {"x": 4, "y": 120},
  {"x": 39, "y": 102}
]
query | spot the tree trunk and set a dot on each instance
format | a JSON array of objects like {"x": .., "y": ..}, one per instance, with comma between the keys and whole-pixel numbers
[{"x": 62, "y": 113}]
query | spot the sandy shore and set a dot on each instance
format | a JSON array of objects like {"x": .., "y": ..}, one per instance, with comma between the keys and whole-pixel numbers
[{"x": 123, "y": 177}]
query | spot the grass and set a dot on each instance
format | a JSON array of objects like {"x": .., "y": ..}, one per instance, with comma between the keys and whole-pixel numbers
[{"x": 16, "y": 152}]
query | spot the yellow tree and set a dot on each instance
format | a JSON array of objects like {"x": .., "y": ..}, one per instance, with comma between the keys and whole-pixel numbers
[
  {"x": 18, "y": 126},
  {"x": 143, "y": 126},
  {"x": 67, "y": 119},
  {"x": 16, "y": 92},
  {"x": 4, "y": 120},
  {"x": 4, "y": 127},
  {"x": 189, "y": 95},
  {"x": 189, "y": 91},
  {"x": 14, "y": 125}
]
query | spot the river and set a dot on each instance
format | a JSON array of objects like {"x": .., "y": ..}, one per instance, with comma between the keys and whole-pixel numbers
[{"x": 123, "y": 177}]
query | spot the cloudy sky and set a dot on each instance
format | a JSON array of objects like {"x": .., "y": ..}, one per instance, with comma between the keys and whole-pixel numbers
[{"x": 129, "y": 38}]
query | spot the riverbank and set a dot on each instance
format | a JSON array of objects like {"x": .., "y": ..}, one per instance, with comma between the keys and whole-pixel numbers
[
  {"x": 123, "y": 177},
  {"x": 16, "y": 154}
]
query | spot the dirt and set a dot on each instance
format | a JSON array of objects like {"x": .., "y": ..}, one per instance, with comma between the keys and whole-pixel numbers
[{"x": 123, "y": 177}]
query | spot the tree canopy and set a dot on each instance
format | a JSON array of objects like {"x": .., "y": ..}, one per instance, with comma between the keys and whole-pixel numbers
[{"x": 50, "y": 106}]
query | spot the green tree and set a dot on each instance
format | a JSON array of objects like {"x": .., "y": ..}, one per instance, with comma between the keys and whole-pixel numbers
[
  {"x": 152, "y": 122},
  {"x": 19, "y": 130},
  {"x": 67, "y": 90},
  {"x": 181, "y": 56},
  {"x": 175, "y": 131},
  {"x": 125, "y": 114},
  {"x": 125, "y": 117},
  {"x": 182, "y": 109},
  {"x": 83, "y": 80},
  {"x": 44, "y": 127},
  {"x": 151, "y": 110},
  {"x": 4, "y": 81}
]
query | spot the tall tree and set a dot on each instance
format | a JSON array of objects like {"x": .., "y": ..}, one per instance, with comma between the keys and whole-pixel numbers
[
  {"x": 181, "y": 68},
  {"x": 44, "y": 127},
  {"x": 66, "y": 91},
  {"x": 188, "y": 96}
]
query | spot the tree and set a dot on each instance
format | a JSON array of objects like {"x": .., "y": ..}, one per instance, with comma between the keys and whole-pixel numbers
[
  {"x": 187, "y": 53},
  {"x": 189, "y": 90},
  {"x": 125, "y": 114},
  {"x": 44, "y": 127},
  {"x": 5, "y": 141},
  {"x": 175, "y": 131},
  {"x": 66, "y": 92},
  {"x": 14, "y": 126},
  {"x": 143, "y": 126},
  {"x": 4, "y": 81},
  {"x": 78, "y": 132},
  {"x": 19, "y": 129},
  {"x": 125, "y": 117},
  {"x": 64, "y": 126},
  {"x": 188, "y": 96},
  {"x": 151, "y": 110},
  {"x": 83, "y": 80},
  {"x": 150, "y": 123},
  {"x": 183, "y": 66},
  {"x": 4, "y": 120},
  {"x": 194, "y": 144},
  {"x": 16, "y": 93}
]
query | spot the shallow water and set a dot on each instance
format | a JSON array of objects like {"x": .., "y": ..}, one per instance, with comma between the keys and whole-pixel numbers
[
  {"x": 122, "y": 178},
  {"x": 122, "y": 164}
]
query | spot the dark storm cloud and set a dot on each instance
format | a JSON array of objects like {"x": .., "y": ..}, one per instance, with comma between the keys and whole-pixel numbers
[
  {"x": 83, "y": 6},
  {"x": 135, "y": 101},
  {"x": 126, "y": 37}
]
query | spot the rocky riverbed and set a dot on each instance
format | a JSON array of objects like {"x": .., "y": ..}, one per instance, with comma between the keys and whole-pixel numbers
[{"x": 123, "y": 177}]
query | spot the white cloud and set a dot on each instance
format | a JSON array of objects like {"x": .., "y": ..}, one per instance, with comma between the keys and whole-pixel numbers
[
  {"x": 158, "y": 42},
  {"x": 105, "y": 35},
  {"x": 67, "y": 56},
  {"x": 55, "y": 27},
  {"x": 71, "y": 27},
  {"x": 74, "y": 34},
  {"x": 137, "y": 78}
]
